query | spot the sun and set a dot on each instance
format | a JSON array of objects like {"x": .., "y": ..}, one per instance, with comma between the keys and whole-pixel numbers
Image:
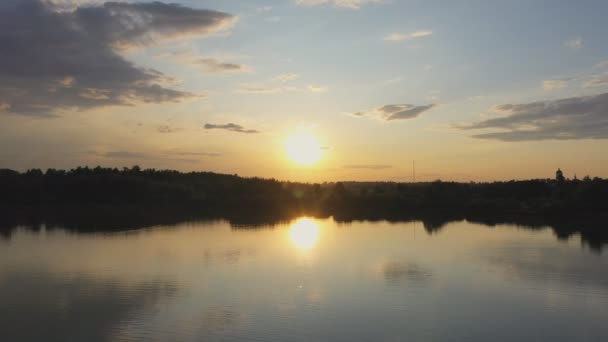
[{"x": 303, "y": 148}]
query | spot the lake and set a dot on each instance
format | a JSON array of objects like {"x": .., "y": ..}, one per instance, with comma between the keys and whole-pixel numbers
[{"x": 304, "y": 280}]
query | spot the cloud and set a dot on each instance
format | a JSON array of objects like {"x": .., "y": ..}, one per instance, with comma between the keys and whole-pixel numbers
[
  {"x": 397, "y": 111},
  {"x": 196, "y": 154},
  {"x": 352, "y": 4},
  {"x": 391, "y": 81},
  {"x": 161, "y": 156},
  {"x": 598, "y": 77},
  {"x": 282, "y": 78},
  {"x": 209, "y": 65},
  {"x": 231, "y": 127},
  {"x": 368, "y": 166},
  {"x": 262, "y": 88},
  {"x": 277, "y": 85},
  {"x": 601, "y": 65},
  {"x": 564, "y": 119},
  {"x": 259, "y": 89},
  {"x": 215, "y": 66},
  {"x": 555, "y": 84},
  {"x": 317, "y": 89},
  {"x": 54, "y": 59},
  {"x": 597, "y": 81},
  {"x": 273, "y": 19},
  {"x": 264, "y": 9},
  {"x": 166, "y": 129},
  {"x": 574, "y": 43},
  {"x": 400, "y": 37},
  {"x": 123, "y": 154}
]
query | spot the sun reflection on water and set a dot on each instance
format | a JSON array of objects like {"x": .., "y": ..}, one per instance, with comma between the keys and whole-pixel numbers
[{"x": 304, "y": 233}]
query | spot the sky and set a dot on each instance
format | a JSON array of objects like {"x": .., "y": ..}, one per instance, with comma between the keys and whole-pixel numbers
[{"x": 469, "y": 90}]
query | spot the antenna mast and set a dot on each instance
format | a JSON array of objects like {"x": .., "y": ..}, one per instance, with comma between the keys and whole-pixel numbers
[{"x": 414, "y": 171}]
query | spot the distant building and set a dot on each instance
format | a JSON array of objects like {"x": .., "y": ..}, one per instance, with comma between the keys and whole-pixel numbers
[{"x": 559, "y": 175}]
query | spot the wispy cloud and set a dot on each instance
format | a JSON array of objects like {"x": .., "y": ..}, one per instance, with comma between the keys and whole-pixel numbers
[
  {"x": 270, "y": 86},
  {"x": 160, "y": 156},
  {"x": 262, "y": 88},
  {"x": 273, "y": 19},
  {"x": 352, "y": 4},
  {"x": 195, "y": 154},
  {"x": 317, "y": 89},
  {"x": 259, "y": 89},
  {"x": 555, "y": 84},
  {"x": 208, "y": 65},
  {"x": 215, "y": 66},
  {"x": 601, "y": 65},
  {"x": 574, "y": 43},
  {"x": 564, "y": 119},
  {"x": 279, "y": 84},
  {"x": 282, "y": 78},
  {"x": 166, "y": 129},
  {"x": 231, "y": 127},
  {"x": 597, "y": 76},
  {"x": 123, "y": 155},
  {"x": 263, "y": 9},
  {"x": 368, "y": 166},
  {"x": 396, "y": 111},
  {"x": 391, "y": 81},
  {"x": 400, "y": 37},
  {"x": 597, "y": 81}
]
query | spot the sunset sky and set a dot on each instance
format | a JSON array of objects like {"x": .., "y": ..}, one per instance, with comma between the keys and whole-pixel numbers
[{"x": 470, "y": 90}]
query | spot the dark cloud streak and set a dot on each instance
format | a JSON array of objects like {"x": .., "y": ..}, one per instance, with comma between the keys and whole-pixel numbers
[
  {"x": 368, "y": 166},
  {"x": 197, "y": 154},
  {"x": 215, "y": 66},
  {"x": 393, "y": 112},
  {"x": 231, "y": 127},
  {"x": 403, "y": 111},
  {"x": 123, "y": 155},
  {"x": 584, "y": 117}
]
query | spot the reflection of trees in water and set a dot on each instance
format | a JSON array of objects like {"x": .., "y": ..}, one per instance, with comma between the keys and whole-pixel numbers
[
  {"x": 593, "y": 231},
  {"x": 40, "y": 306}
]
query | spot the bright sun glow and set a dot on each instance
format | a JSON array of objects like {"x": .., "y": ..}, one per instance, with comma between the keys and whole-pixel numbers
[
  {"x": 303, "y": 148},
  {"x": 304, "y": 233}
]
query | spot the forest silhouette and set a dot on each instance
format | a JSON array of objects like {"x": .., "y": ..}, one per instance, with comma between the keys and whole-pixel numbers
[{"x": 101, "y": 199}]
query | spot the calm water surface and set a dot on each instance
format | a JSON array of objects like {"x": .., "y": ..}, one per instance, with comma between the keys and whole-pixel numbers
[{"x": 308, "y": 280}]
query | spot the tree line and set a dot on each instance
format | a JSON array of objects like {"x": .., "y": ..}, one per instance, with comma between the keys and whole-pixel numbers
[{"x": 214, "y": 192}]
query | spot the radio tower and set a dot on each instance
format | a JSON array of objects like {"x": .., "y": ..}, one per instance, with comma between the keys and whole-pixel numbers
[{"x": 413, "y": 171}]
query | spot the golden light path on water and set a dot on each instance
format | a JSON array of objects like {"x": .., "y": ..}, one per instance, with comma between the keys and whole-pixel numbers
[{"x": 304, "y": 233}]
